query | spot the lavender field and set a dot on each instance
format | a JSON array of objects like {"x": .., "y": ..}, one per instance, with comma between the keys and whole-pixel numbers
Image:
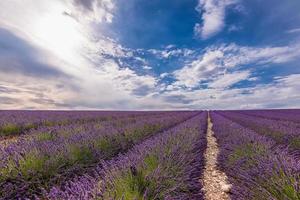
[
  {"x": 149, "y": 100},
  {"x": 149, "y": 155}
]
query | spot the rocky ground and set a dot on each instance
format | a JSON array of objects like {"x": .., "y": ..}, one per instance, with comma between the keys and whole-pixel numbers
[{"x": 215, "y": 184}]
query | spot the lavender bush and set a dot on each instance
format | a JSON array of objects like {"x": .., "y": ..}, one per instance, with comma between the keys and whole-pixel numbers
[
  {"x": 167, "y": 166},
  {"x": 49, "y": 159},
  {"x": 19, "y": 122},
  {"x": 256, "y": 168},
  {"x": 281, "y": 131}
]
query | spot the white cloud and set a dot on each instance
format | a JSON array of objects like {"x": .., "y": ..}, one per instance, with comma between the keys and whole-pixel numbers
[
  {"x": 213, "y": 17},
  {"x": 142, "y": 60},
  {"x": 241, "y": 55},
  {"x": 94, "y": 10},
  {"x": 168, "y": 53},
  {"x": 66, "y": 39},
  {"x": 170, "y": 46},
  {"x": 295, "y": 30},
  {"x": 216, "y": 60},
  {"x": 32, "y": 92},
  {"x": 284, "y": 92},
  {"x": 163, "y": 75},
  {"x": 229, "y": 79},
  {"x": 192, "y": 74},
  {"x": 43, "y": 24},
  {"x": 146, "y": 67}
]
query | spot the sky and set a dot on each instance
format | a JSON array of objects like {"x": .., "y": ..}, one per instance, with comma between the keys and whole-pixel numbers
[{"x": 149, "y": 55}]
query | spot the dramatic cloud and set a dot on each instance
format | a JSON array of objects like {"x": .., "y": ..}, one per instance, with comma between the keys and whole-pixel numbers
[
  {"x": 217, "y": 60},
  {"x": 213, "y": 17},
  {"x": 17, "y": 56},
  {"x": 201, "y": 69},
  {"x": 22, "y": 91},
  {"x": 84, "y": 54},
  {"x": 81, "y": 59},
  {"x": 229, "y": 79},
  {"x": 93, "y": 10},
  {"x": 241, "y": 55},
  {"x": 283, "y": 91}
]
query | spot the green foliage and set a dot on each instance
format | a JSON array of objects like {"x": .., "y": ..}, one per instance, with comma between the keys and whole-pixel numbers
[
  {"x": 13, "y": 129},
  {"x": 151, "y": 163},
  {"x": 103, "y": 144},
  {"x": 9, "y": 129},
  {"x": 107, "y": 146},
  {"x": 281, "y": 185},
  {"x": 295, "y": 142},
  {"x": 249, "y": 153},
  {"x": 132, "y": 184},
  {"x": 32, "y": 165},
  {"x": 127, "y": 187},
  {"x": 45, "y": 136},
  {"x": 9, "y": 171},
  {"x": 48, "y": 123},
  {"x": 136, "y": 134},
  {"x": 80, "y": 154},
  {"x": 277, "y": 183},
  {"x": 30, "y": 126},
  {"x": 274, "y": 134}
]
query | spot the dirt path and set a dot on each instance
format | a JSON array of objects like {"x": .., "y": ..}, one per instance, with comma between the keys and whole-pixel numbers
[{"x": 215, "y": 184}]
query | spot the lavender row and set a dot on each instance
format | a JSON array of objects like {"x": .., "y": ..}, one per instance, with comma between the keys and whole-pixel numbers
[
  {"x": 255, "y": 168},
  {"x": 66, "y": 130},
  {"x": 18, "y": 122},
  {"x": 59, "y": 135},
  {"x": 167, "y": 166},
  {"x": 283, "y": 132},
  {"x": 30, "y": 164},
  {"x": 286, "y": 115}
]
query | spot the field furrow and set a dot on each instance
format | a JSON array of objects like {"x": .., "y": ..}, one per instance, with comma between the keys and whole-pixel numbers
[
  {"x": 255, "y": 168},
  {"x": 52, "y": 159},
  {"x": 16, "y": 123},
  {"x": 284, "y": 133},
  {"x": 167, "y": 166},
  {"x": 238, "y": 155}
]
